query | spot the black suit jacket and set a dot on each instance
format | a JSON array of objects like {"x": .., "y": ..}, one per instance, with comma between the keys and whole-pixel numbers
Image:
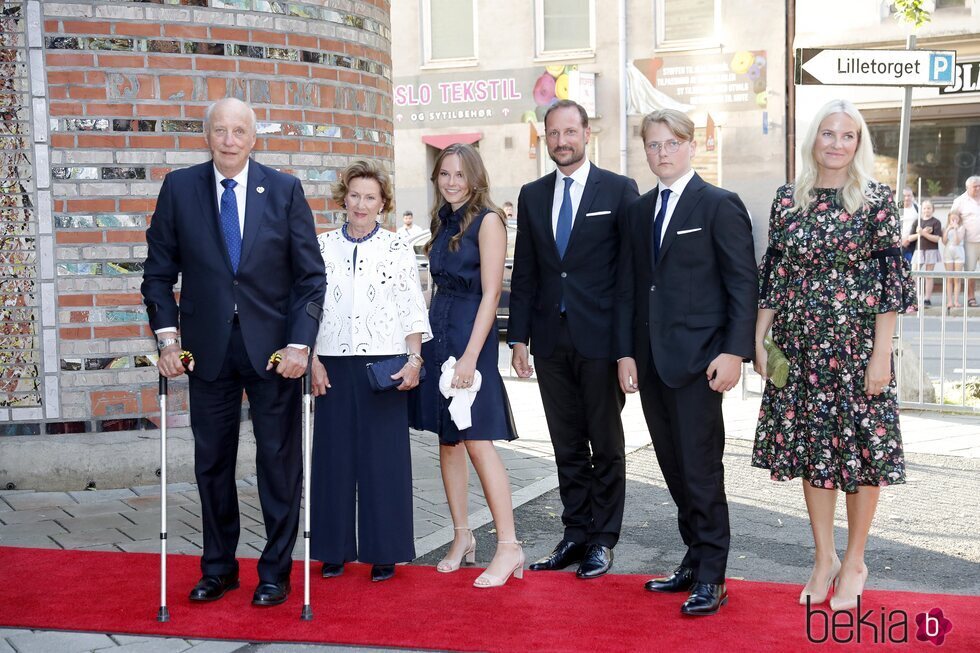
[
  {"x": 280, "y": 271},
  {"x": 700, "y": 299},
  {"x": 586, "y": 277}
]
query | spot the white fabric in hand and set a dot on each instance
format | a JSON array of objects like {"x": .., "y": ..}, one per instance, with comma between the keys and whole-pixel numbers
[{"x": 462, "y": 398}]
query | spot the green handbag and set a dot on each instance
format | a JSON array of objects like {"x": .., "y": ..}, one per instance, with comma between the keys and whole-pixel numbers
[{"x": 777, "y": 365}]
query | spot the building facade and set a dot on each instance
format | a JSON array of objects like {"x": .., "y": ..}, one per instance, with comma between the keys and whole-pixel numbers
[
  {"x": 100, "y": 100},
  {"x": 484, "y": 71},
  {"x": 944, "y": 143}
]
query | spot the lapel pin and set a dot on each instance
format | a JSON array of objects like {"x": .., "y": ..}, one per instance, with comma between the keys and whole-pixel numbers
[{"x": 260, "y": 189}]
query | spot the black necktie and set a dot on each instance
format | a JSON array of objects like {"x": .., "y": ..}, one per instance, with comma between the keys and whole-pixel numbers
[{"x": 658, "y": 223}]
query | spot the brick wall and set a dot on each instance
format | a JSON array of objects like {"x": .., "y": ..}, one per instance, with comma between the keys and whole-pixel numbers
[{"x": 125, "y": 86}]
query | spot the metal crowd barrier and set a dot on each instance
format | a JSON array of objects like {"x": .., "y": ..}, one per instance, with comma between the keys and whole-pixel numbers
[
  {"x": 937, "y": 353},
  {"x": 937, "y": 349}
]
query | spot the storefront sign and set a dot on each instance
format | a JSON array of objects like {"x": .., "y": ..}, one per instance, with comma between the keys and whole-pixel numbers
[
  {"x": 727, "y": 81},
  {"x": 966, "y": 79},
  {"x": 491, "y": 97},
  {"x": 875, "y": 67}
]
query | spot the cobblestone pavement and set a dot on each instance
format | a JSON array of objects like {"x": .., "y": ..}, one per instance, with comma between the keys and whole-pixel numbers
[{"x": 923, "y": 539}]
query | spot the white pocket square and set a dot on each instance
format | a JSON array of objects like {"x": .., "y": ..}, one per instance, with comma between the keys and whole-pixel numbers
[
  {"x": 594, "y": 213},
  {"x": 688, "y": 231}
]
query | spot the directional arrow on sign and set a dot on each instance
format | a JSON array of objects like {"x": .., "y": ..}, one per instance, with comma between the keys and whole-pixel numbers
[{"x": 875, "y": 67}]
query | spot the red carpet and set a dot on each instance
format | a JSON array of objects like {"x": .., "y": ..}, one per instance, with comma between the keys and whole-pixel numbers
[{"x": 419, "y": 608}]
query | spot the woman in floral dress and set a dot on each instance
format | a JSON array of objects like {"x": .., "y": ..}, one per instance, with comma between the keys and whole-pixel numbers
[{"x": 833, "y": 282}]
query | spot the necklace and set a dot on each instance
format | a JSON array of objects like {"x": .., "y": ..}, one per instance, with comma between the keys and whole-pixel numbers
[{"x": 343, "y": 230}]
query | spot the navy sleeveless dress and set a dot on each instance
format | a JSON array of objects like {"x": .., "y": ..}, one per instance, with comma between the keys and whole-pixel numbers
[{"x": 457, "y": 295}]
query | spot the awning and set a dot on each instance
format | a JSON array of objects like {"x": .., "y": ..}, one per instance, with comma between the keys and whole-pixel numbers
[{"x": 442, "y": 141}]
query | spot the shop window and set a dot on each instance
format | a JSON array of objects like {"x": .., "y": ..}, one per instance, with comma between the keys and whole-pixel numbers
[
  {"x": 687, "y": 23},
  {"x": 449, "y": 28},
  {"x": 564, "y": 27},
  {"x": 941, "y": 153}
]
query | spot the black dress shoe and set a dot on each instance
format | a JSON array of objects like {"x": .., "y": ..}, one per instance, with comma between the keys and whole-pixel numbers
[
  {"x": 268, "y": 593},
  {"x": 212, "y": 588},
  {"x": 705, "y": 599},
  {"x": 565, "y": 554},
  {"x": 331, "y": 570},
  {"x": 680, "y": 581},
  {"x": 382, "y": 572},
  {"x": 598, "y": 560}
]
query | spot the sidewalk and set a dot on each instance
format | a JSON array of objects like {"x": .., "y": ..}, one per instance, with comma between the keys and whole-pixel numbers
[{"x": 770, "y": 530}]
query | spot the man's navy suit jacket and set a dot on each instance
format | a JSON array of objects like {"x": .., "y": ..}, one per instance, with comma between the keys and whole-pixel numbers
[
  {"x": 699, "y": 299},
  {"x": 280, "y": 272},
  {"x": 585, "y": 279}
]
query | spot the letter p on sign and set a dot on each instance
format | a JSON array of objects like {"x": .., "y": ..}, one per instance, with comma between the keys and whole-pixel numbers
[{"x": 941, "y": 68}]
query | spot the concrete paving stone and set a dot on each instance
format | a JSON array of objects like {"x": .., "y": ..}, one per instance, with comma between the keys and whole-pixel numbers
[
  {"x": 90, "y": 538},
  {"x": 40, "y": 528},
  {"x": 122, "y": 640},
  {"x": 151, "y": 530},
  {"x": 100, "y": 496},
  {"x": 151, "y": 645},
  {"x": 423, "y": 527},
  {"x": 12, "y": 632},
  {"x": 5, "y": 507},
  {"x": 148, "y": 501},
  {"x": 525, "y": 462},
  {"x": 211, "y": 646},
  {"x": 5, "y": 647},
  {"x": 29, "y": 541},
  {"x": 35, "y": 500},
  {"x": 526, "y": 476},
  {"x": 94, "y": 523},
  {"x": 32, "y": 516},
  {"x": 62, "y": 642},
  {"x": 99, "y": 508}
]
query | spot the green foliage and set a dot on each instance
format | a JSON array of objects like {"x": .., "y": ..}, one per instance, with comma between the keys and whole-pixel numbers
[
  {"x": 912, "y": 12},
  {"x": 954, "y": 393},
  {"x": 934, "y": 187}
]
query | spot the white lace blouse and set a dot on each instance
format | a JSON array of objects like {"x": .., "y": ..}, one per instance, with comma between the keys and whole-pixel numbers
[{"x": 373, "y": 299}]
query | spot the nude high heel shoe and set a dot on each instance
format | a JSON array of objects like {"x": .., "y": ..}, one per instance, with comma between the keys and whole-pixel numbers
[
  {"x": 842, "y": 602},
  {"x": 486, "y": 580},
  {"x": 817, "y": 599},
  {"x": 447, "y": 566}
]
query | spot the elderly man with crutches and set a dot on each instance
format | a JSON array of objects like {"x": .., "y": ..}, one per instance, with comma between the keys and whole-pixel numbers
[{"x": 240, "y": 237}]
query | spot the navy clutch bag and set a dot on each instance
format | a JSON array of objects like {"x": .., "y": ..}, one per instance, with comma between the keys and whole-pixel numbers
[{"x": 379, "y": 373}]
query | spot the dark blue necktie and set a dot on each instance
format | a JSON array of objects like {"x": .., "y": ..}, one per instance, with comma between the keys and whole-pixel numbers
[
  {"x": 564, "y": 229},
  {"x": 229, "y": 222},
  {"x": 658, "y": 223}
]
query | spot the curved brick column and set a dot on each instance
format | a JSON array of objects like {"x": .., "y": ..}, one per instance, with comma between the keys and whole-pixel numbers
[{"x": 115, "y": 93}]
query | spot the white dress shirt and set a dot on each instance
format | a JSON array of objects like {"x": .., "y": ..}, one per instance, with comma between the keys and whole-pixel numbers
[
  {"x": 575, "y": 191},
  {"x": 371, "y": 303},
  {"x": 676, "y": 189},
  {"x": 410, "y": 232}
]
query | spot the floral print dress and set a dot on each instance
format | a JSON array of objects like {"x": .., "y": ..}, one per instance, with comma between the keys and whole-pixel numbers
[{"x": 826, "y": 275}]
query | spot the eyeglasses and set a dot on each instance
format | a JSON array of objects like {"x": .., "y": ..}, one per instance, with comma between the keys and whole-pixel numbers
[{"x": 670, "y": 147}]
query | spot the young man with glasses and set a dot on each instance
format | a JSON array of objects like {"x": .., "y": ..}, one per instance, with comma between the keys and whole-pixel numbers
[{"x": 686, "y": 307}]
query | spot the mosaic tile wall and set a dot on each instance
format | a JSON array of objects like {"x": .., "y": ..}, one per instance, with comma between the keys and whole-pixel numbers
[
  {"x": 20, "y": 291},
  {"x": 124, "y": 89}
]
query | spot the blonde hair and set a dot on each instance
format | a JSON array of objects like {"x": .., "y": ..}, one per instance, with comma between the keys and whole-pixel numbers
[
  {"x": 677, "y": 122},
  {"x": 855, "y": 191},
  {"x": 476, "y": 177},
  {"x": 364, "y": 170},
  {"x": 952, "y": 213}
]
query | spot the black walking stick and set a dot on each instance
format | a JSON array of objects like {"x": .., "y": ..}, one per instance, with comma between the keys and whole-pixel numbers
[{"x": 164, "y": 614}]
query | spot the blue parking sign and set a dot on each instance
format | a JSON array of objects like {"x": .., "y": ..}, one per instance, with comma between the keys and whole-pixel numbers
[{"x": 941, "y": 67}]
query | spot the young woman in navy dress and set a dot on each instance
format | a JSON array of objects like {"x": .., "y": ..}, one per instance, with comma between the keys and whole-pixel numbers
[{"x": 466, "y": 259}]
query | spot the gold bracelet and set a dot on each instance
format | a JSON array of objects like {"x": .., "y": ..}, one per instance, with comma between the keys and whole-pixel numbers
[{"x": 415, "y": 360}]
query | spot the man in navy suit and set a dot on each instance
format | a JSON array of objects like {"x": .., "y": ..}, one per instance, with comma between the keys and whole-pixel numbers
[
  {"x": 686, "y": 304},
  {"x": 241, "y": 237},
  {"x": 562, "y": 292}
]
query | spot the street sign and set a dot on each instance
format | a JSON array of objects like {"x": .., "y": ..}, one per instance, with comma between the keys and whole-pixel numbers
[{"x": 875, "y": 67}]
